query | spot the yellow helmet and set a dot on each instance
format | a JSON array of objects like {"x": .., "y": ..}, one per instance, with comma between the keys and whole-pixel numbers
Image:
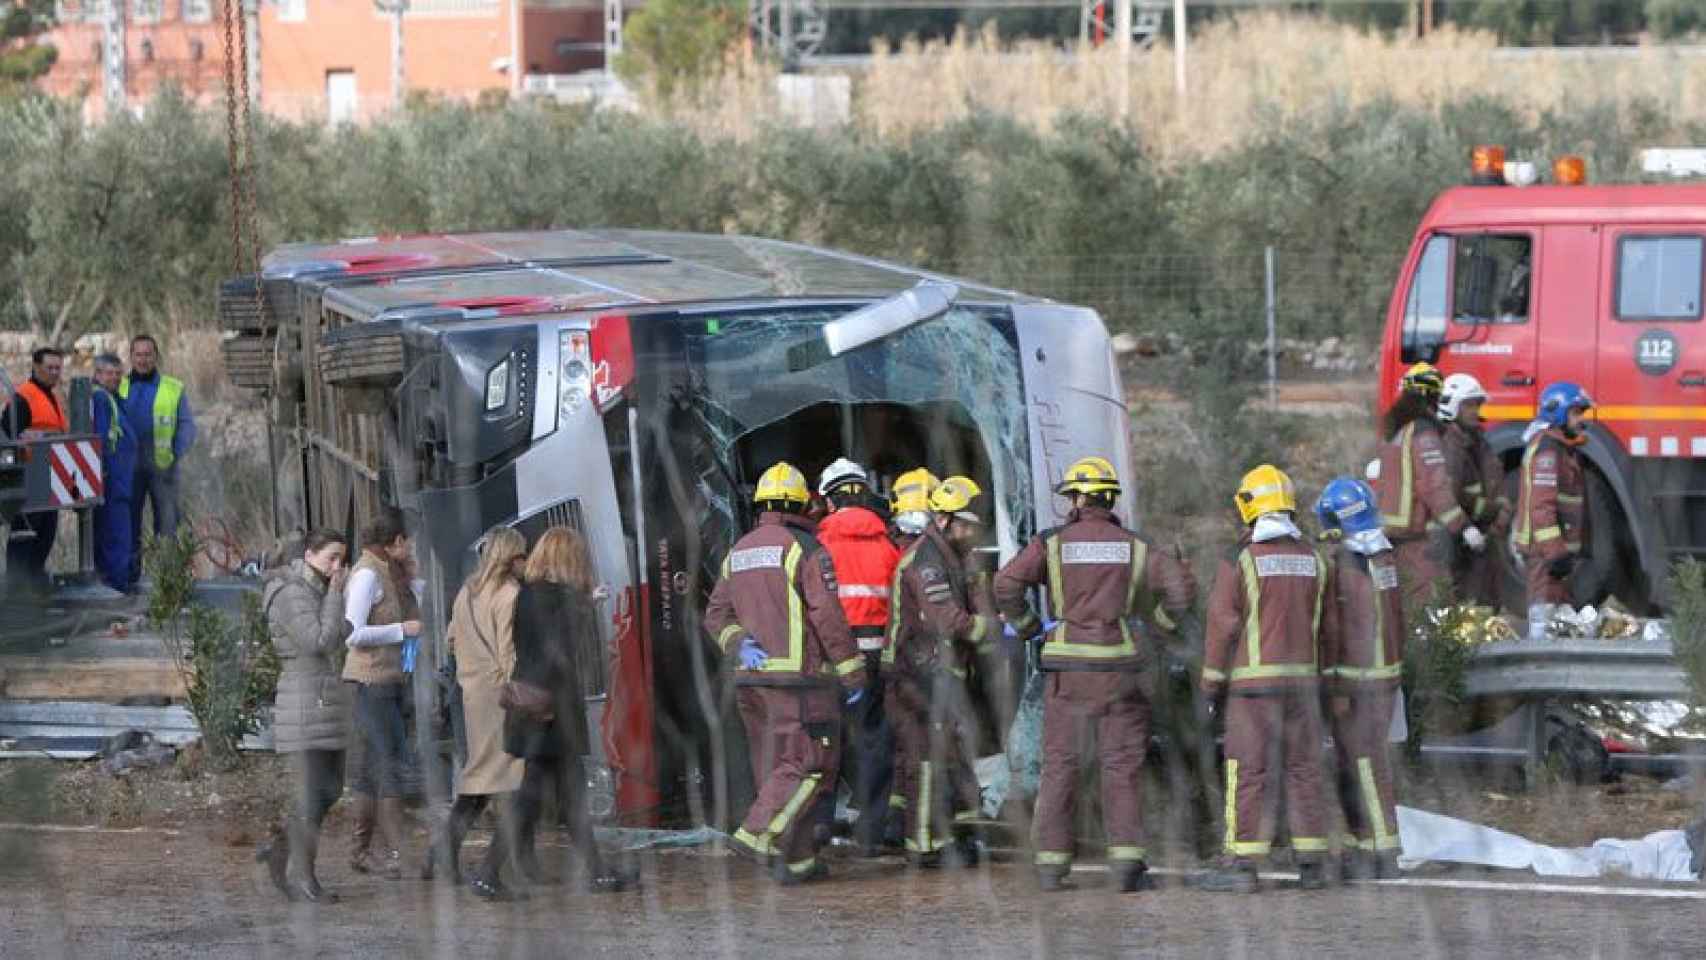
[
  {"x": 1423, "y": 378},
  {"x": 782, "y": 483},
  {"x": 912, "y": 491},
  {"x": 1265, "y": 489},
  {"x": 954, "y": 495},
  {"x": 1089, "y": 475}
]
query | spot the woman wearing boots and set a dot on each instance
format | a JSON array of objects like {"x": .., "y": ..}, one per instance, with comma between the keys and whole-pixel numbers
[
  {"x": 383, "y": 616},
  {"x": 555, "y": 615},
  {"x": 480, "y": 637},
  {"x": 304, "y": 607}
]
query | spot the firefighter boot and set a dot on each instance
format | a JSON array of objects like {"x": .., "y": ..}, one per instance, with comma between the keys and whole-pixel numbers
[
  {"x": 1386, "y": 866},
  {"x": 1133, "y": 877},
  {"x": 275, "y": 853},
  {"x": 1312, "y": 875},
  {"x": 789, "y": 876},
  {"x": 361, "y": 835},
  {"x": 962, "y": 853},
  {"x": 1358, "y": 865},
  {"x": 391, "y": 832},
  {"x": 1228, "y": 874},
  {"x": 1054, "y": 879}
]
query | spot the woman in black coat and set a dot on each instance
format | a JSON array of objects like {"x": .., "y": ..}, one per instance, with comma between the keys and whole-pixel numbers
[{"x": 555, "y": 615}]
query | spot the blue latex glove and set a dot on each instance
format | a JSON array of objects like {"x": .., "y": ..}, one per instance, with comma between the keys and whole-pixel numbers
[
  {"x": 1049, "y": 625},
  {"x": 854, "y": 697},
  {"x": 752, "y": 656},
  {"x": 411, "y": 650}
]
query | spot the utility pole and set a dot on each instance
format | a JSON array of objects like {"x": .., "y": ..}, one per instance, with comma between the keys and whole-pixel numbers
[
  {"x": 612, "y": 34},
  {"x": 112, "y": 59},
  {"x": 1179, "y": 41},
  {"x": 1122, "y": 43},
  {"x": 396, "y": 8},
  {"x": 1427, "y": 17}
]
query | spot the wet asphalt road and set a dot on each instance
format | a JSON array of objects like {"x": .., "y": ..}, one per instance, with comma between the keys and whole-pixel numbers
[{"x": 149, "y": 894}]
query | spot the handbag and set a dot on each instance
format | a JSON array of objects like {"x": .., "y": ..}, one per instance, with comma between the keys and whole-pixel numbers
[{"x": 529, "y": 700}]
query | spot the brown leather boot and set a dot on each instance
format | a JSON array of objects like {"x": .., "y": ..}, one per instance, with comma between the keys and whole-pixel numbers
[
  {"x": 361, "y": 837},
  {"x": 391, "y": 835},
  {"x": 304, "y": 850}
]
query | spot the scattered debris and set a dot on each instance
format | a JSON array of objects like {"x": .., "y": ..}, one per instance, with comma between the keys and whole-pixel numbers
[{"x": 134, "y": 750}]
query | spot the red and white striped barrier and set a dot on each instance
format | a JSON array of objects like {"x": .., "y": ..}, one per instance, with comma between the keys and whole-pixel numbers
[{"x": 75, "y": 472}]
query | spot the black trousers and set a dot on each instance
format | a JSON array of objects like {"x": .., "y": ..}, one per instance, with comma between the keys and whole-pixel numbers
[
  {"x": 868, "y": 761},
  {"x": 319, "y": 778},
  {"x": 542, "y": 775},
  {"x": 26, "y": 560}
]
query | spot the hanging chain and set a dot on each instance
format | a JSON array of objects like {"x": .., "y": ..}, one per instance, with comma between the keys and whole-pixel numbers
[{"x": 229, "y": 24}]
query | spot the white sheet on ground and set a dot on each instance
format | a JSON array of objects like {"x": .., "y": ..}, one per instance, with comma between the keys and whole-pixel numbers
[
  {"x": 1432, "y": 837},
  {"x": 1399, "y": 731}
]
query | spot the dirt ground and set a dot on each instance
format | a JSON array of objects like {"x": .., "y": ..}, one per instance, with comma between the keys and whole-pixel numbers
[{"x": 176, "y": 894}]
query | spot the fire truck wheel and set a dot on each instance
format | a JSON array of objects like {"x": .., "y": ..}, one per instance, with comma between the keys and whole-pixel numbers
[{"x": 1612, "y": 565}]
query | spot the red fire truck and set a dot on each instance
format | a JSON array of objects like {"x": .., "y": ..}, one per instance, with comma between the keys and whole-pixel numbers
[{"x": 1523, "y": 286}]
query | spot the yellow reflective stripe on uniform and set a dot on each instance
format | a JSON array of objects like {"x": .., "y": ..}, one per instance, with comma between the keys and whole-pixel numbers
[
  {"x": 759, "y": 844},
  {"x": 892, "y": 634},
  {"x": 1473, "y": 488},
  {"x": 897, "y": 802},
  {"x": 1569, "y": 498},
  {"x": 1449, "y": 517},
  {"x": 1213, "y": 675},
  {"x": 1252, "y": 616},
  {"x": 1162, "y": 620},
  {"x": 1406, "y": 481},
  {"x": 1231, "y": 816},
  {"x": 1522, "y": 535},
  {"x": 849, "y": 666},
  {"x": 1379, "y": 630},
  {"x": 1309, "y": 844},
  {"x": 922, "y": 842},
  {"x": 1547, "y": 533},
  {"x": 1383, "y": 839},
  {"x": 1320, "y": 600},
  {"x": 1125, "y": 854},
  {"x": 1056, "y": 590},
  {"x": 980, "y": 633},
  {"x": 729, "y": 634},
  {"x": 1273, "y": 671},
  {"x": 1387, "y": 672},
  {"x": 1139, "y": 560},
  {"x": 965, "y": 816},
  {"x": 1093, "y": 651},
  {"x": 1053, "y": 858},
  {"x": 794, "y": 662},
  {"x": 802, "y": 867},
  {"x": 802, "y": 793}
]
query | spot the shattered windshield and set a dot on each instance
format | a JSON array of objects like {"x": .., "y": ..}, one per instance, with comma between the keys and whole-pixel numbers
[{"x": 958, "y": 374}]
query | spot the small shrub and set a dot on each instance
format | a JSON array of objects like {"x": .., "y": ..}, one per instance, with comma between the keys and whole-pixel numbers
[{"x": 1688, "y": 625}]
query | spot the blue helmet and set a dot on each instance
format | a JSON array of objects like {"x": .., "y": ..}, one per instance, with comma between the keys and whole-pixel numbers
[
  {"x": 1558, "y": 399},
  {"x": 1349, "y": 504}
]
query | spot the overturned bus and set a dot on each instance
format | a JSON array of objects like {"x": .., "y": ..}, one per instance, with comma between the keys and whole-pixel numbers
[{"x": 634, "y": 385}]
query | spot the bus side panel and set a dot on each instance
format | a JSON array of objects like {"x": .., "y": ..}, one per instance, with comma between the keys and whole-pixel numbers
[{"x": 1076, "y": 404}]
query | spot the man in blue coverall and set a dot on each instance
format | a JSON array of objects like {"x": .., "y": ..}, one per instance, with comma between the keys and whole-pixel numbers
[
  {"x": 114, "y": 539},
  {"x": 158, "y": 414}
]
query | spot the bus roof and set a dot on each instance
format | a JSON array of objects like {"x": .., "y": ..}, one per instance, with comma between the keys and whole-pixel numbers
[
  {"x": 1466, "y": 208},
  {"x": 549, "y": 271}
]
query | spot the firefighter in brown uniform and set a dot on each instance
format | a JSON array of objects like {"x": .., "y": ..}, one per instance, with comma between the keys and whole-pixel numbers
[
  {"x": 1362, "y": 660},
  {"x": 1099, "y": 577},
  {"x": 1551, "y": 517},
  {"x": 935, "y": 632},
  {"x": 1418, "y": 510},
  {"x": 1262, "y": 655},
  {"x": 776, "y": 610},
  {"x": 1478, "y": 483}
]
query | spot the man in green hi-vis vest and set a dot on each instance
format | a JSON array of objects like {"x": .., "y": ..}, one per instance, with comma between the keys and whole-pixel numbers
[{"x": 158, "y": 413}]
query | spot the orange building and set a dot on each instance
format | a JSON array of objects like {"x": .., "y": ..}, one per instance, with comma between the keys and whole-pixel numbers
[{"x": 330, "y": 59}]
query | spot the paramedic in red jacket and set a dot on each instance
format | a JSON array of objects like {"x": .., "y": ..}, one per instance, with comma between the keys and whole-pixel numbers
[{"x": 856, "y": 536}]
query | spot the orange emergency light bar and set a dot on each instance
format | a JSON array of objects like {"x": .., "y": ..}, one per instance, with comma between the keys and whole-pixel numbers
[
  {"x": 1569, "y": 171},
  {"x": 1487, "y": 165}
]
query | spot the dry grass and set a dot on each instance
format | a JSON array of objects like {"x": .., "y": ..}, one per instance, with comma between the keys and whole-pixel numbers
[{"x": 1251, "y": 72}]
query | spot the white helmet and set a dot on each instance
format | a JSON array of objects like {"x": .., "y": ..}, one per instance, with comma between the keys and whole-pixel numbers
[
  {"x": 840, "y": 473},
  {"x": 1459, "y": 389}
]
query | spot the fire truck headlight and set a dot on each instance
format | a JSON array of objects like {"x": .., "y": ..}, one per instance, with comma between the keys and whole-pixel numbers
[
  {"x": 8, "y": 456},
  {"x": 574, "y": 384},
  {"x": 1520, "y": 173},
  {"x": 497, "y": 387}
]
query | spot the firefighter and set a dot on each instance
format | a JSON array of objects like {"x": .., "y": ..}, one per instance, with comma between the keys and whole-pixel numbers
[
  {"x": 910, "y": 507},
  {"x": 864, "y": 557},
  {"x": 1099, "y": 576},
  {"x": 1420, "y": 515},
  {"x": 1551, "y": 515},
  {"x": 775, "y": 610},
  {"x": 1477, "y": 482},
  {"x": 1261, "y": 670},
  {"x": 1362, "y": 661},
  {"x": 933, "y": 634}
]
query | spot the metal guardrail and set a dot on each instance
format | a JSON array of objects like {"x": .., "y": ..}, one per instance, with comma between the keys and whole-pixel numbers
[
  {"x": 1622, "y": 669},
  {"x": 32, "y": 729}
]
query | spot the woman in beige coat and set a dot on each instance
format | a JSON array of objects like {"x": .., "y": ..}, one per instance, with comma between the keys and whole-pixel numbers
[{"x": 481, "y": 639}]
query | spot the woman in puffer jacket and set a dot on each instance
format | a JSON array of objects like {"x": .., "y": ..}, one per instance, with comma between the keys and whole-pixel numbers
[{"x": 304, "y": 608}]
